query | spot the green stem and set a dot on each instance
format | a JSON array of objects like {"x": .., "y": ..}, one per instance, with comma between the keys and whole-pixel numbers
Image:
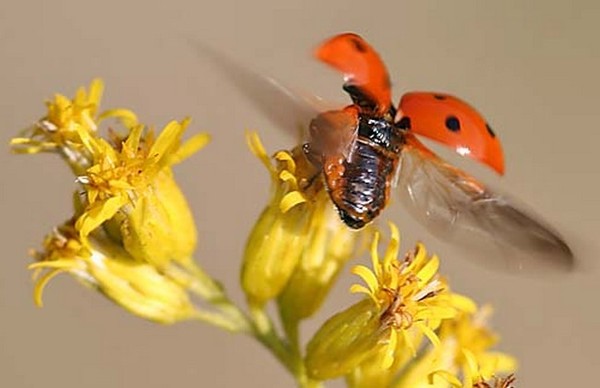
[
  {"x": 305, "y": 382},
  {"x": 258, "y": 325},
  {"x": 217, "y": 320},
  {"x": 287, "y": 353},
  {"x": 265, "y": 333},
  {"x": 291, "y": 329}
]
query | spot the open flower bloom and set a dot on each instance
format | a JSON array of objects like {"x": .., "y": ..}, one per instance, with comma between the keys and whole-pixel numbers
[
  {"x": 133, "y": 234},
  {"x": 298, "y": 234},
  {"x": 465, "y": 352},
  {"x": 128, "y": 182},
  {"x": 406, "y": 300},
  {"x": 131, "y": 186},
  {"x": 60, "y": 129},
  {"x": 102, "y": 264}
]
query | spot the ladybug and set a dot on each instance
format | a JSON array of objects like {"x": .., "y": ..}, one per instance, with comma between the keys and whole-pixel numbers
[
  {"x": 369, "y": 150},
  {"x": 371, "y": 134}
]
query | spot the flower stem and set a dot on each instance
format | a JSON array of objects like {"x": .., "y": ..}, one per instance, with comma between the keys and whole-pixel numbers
[
  {"x": 217, "y": 320},
  {"x": 265, "y": 333},
  {"x": 287, "y": 353},
  {"x": 258, "y": 324}
]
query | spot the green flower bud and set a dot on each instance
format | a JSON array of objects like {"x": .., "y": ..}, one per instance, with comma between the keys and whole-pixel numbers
[{"x": 346, "y": 340}]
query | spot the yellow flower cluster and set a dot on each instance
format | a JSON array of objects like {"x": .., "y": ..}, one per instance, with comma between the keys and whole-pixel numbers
[
  {"x": 132, "y": 235},
  {"x": 409, "y": 331},
  {"x": 298, "y": 245},
  {"x": 380, "y": 341},
  {"x": 137, "y": 286}
]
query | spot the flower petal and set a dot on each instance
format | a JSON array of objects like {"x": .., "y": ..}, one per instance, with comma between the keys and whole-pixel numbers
[
  {"x": 257, "y": 148},
  {"x": 127, "y": 117},
  {"x": 463, "y": 303},
  {"x": 375, "y": 255},
  {"x": 359, "y": 289},
  {"x": 390, "y": 350},
  {"x": 428, "y": 333},
  {"x": 133, "y": 140},
  {"x": 165, "y": 143},
  {"x": 290, "y": 200},
  {"x": 41, "y": 284},
  {"x": 99, "y": 213},
  {"x": 95, "y": 92},
  {"x": 190, "y": 147},
  {"x": 447, "y": 376},
  {"x": 367, "y": 276},
  {"x": 429, "y": 270},
  {"x": 391, "y": 252}
]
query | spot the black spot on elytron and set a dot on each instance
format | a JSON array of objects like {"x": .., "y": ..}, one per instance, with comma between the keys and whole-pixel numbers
[
  {"x": 439, "y": 97},
  {"x": 452, "y": 124},
  {"x": 490, "y": 130},
  {"x": 359, "y": 45},
  {"x": 404, "y": 123}
]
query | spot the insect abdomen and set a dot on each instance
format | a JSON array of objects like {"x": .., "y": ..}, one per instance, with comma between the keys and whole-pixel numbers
[{"x": 361, "y": 189}]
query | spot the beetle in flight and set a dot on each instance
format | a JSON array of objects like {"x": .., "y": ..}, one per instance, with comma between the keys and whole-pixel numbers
[{"x": 370, "y": 149}]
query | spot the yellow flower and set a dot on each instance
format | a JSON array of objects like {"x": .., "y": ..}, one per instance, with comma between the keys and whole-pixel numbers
[
  {"x": 297, "y": 222},
  {"x": 138, "y": 287},
  {"x": 346, "y": 340},
  {"x": 328, "y": 245},
  {"x": 406, "y": 300},
  {"x": 463, "y": 354},
  {"x": 409, "y": 292},
  {"x": 472, "y": 355},
  {"x": 60, "y": 129},
  {"x": 131, "y": 185},
  {"x": 133, "y": 235}
]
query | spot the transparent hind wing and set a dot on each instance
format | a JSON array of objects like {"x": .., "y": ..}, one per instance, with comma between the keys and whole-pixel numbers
[
  {"x": 288, "y": 108},
  {"x": 457, "y": 208}
]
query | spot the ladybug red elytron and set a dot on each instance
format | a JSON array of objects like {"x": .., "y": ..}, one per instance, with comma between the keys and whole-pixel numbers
[{"x": 369, "y": 150}]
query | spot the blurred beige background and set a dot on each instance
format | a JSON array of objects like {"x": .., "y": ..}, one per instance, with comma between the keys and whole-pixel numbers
[{"x": 531, "y": 67}]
